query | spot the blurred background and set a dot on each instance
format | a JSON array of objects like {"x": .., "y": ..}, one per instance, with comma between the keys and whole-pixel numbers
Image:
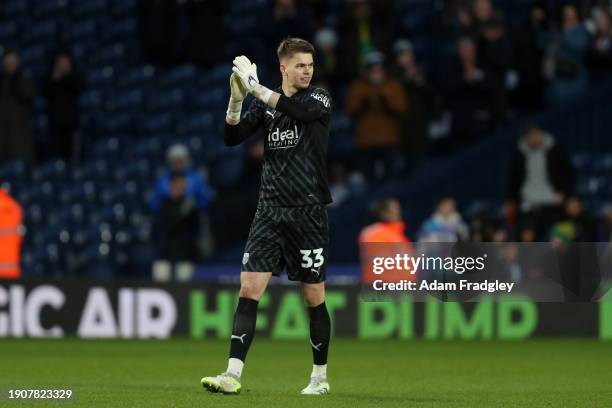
[{"x": 452, "y": 121}]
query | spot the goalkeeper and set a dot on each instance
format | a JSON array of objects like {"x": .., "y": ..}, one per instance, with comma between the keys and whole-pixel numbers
[{"x": 290, "y": 227}]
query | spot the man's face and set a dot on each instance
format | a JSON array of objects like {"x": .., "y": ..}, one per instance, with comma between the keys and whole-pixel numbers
[
  {"x": 179, "y": 164},
  {"x": 534, "y": 138},
  {"x": 11, "y": 63},
  {"x": 297, "y": 70},
  {"x": 447, "y": 207},
  {"x": 394, "y": 211},
  {"x": 376, "y": 74},
  {"x": 467, "y": 50}
]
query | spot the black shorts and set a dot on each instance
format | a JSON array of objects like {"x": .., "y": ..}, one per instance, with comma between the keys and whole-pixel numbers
[{"x": 292, "y": 237}]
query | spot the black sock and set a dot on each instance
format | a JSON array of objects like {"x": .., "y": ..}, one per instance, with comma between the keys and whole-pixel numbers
[
  {"x": 244, "y": 328},
  {"x": 320, "y": 332}
]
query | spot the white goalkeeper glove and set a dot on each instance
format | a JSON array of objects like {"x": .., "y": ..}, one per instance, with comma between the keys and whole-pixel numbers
[
  {"x": 247, "y": 73},
  {"x": 238, "y": 93}
]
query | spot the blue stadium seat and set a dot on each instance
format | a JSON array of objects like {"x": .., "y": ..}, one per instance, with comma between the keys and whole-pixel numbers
[
  {"x": 14, "y": 8},
  {"x": 35, "y": 55},
  {"x": 89, "y": 8},
  {"x": 113, "y": 55},
  {"x": 119, "y": 122},
  {"x": 582, "y": 161},
  {"x": 78, "y": 193},
  {"x": 96, "y": 170},
  {"x": 227, "y": 169},
  {"x": 603, "y": 163},
  {"x": 121, "y": 30},
  {"x": 136, "y": 77},
  {"x": 90, "y": 100},
  {"x": 108, "y": 148},
  {"x": 41, "y": 32},
  {"x": 161, "y": 122},
  {"x": 118, "y": 194},
  {"x": 50, "y": 9},
  {"x": 84, "y": 30},
  {"x": 34, "y": 215},
  {"x": 139, "y": 170},
  {"x": 103, "y": 76},
  {"x": 33, "y": 263},
  {"x": 197, "y": 124},
  {"x": 14, "y": 171},
  {"x": 54, "y": 170},
  {"x": 120, "y": 8},
  {"x": 183, "y": 75},
  {"x": 170, "y": 99},
  {"x": 213, "y": 97},
  {"x": 125, "y": 101},
  {"x": 42, "y": 193}
]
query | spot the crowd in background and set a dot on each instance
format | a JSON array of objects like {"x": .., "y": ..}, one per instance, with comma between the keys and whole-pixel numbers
[{"x": 480, "y": 72}]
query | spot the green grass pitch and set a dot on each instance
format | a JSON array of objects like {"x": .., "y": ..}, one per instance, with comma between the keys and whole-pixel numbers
[{"x": 117, "y": 373}]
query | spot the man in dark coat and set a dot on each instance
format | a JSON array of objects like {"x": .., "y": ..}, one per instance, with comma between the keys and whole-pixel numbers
[
  {"x": 541, "y": 178},
  {"x": 16, "y": 101}
]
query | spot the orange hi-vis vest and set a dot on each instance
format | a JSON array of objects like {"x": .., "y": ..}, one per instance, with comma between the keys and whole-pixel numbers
[
  {"x": 384, "y": 239},
  {"x": 11, "y": 217}
]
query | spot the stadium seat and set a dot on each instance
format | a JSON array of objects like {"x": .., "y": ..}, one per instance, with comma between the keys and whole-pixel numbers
[
  {"x": 94, "y": 170},
  {"x": 89, "y": 8},
  {"x": 136, "y": 77},
  {"x": 138, "y": 170},
  {"x": 125, "y": 101},
  {"x": 168, "y": 100},
  {"x": 14, "y": 171},
  {"x": 55, "y": 170},
  {"x": 119, "y": 8},
  {"x": 84, "y": 30},
  {"x": 81, "y": 192},
  {"x": 42, "y": 193}
]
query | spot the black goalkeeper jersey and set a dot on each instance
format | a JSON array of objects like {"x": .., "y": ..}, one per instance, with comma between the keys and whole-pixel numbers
[{"x": 296, "y": 134}]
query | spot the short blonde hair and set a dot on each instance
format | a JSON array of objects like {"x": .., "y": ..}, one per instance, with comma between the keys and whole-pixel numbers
[{"x": 291, "y": 45}]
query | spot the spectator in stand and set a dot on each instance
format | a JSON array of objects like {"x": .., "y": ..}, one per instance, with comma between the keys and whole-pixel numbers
[
  {"x": 458, "y": 22},
  {"x": 389, "y": 228},
  {"x": 445, "y": 225},
  {"x": 365, "y": 27},
  {"x": 576, "y": 225},
  {"x": 377, "y": 102},
  {"x": 541, "y": 178},
  {"x": 483, "y": 12},
  {"x": 179, "y": 223},
  {"x": 179, "y": 162},
  {"x": 529, "y": 46},
  {"x": 17, "y": 96},
  {"x": 63, "y": 90},
  {"x": 600, "y": 53},
  {"x": 423, "y": 101},
  {"x": 566, "y": 66},
  {"x": 495, "y": 50},
  {"x": 326, "y": 75},
  {"x": 285, "y": 18},
  {"x": 470, "y": 91}
]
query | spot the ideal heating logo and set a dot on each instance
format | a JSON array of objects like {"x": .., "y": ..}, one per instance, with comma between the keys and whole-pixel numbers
[{"x": 283, "y": 139}]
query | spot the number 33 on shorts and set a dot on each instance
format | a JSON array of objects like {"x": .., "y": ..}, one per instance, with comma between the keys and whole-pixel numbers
[{"x": 312, "y": 258}]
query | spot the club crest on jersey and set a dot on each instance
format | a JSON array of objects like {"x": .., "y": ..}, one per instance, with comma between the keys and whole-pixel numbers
[{"x": 283, "y": 139}]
